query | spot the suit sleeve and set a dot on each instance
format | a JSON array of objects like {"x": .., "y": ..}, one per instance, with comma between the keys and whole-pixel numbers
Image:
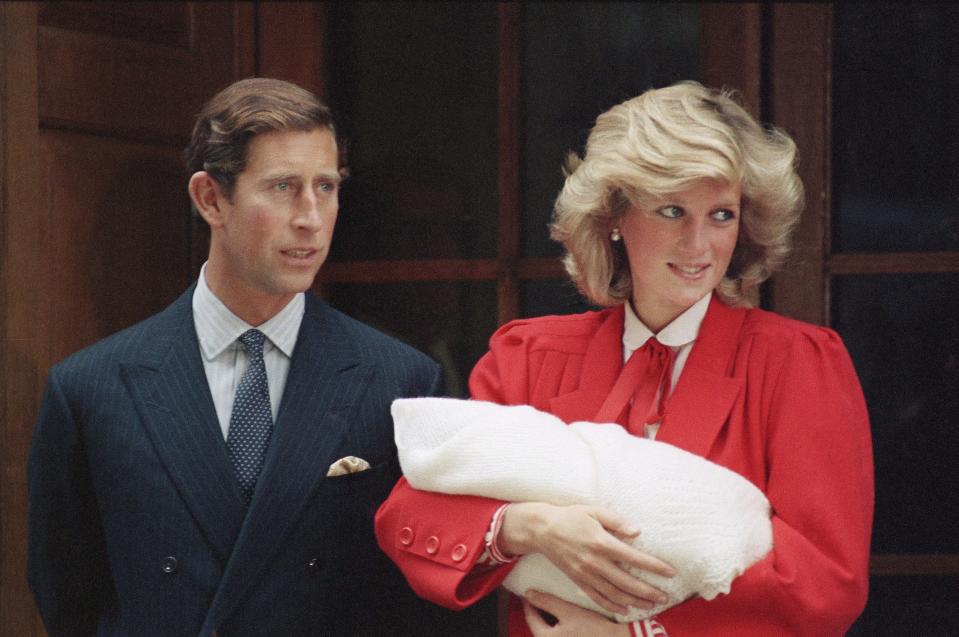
[
  {"x": 67, "y": 562},
  {"x": 410, "y": 522},
  {"x": 820, "y": 484}
]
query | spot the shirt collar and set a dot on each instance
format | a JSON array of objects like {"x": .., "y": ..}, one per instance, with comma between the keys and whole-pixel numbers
[
  {"x": 217, "y": 328},
  {"x": 683, "y": 330}
]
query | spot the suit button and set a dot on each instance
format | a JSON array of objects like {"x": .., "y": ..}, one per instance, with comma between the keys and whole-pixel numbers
[
  {"x": 406, "y": 536},
  {"x": 168, "y": 564},
  {"x": 432, "y": 544},
  {"x": 459, "y": 552},
  {"x": 314, "y": 566}
]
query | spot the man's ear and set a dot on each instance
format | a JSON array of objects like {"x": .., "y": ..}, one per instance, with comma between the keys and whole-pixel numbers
[{"x": 208, "y": 197}]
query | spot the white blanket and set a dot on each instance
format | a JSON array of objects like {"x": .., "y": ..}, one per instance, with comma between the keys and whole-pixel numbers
[{"x": 708, "y": 522}]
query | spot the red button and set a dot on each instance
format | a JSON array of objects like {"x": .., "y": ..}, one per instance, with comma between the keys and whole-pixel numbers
[
  {"x": 406, "y": 536},
  {"x": 432, "y": 544},
  {"x": 459, "y": 552}
]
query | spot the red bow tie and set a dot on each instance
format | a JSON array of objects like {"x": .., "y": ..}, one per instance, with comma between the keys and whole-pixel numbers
[{"x": 643, "y": 385}]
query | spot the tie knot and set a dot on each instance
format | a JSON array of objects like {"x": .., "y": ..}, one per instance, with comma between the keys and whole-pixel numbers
[
  {"x": 253, "y": 342},
  {"x": 655, "y": 348}
]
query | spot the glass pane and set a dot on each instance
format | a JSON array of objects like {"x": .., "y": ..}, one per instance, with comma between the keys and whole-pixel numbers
[
  {"x": 540, "y": 298},
  {"x": 451, "y": 322},
  {"x": 908, "y": 361},
  {"x": 415, "y": 86},
  {"x": 926, "y": 606},
  {"x": 579, "y": 59},
  {"x": 895, "y": 127}
]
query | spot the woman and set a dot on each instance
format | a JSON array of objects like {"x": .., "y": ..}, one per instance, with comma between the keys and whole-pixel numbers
[{"x": 681, "y": 207}]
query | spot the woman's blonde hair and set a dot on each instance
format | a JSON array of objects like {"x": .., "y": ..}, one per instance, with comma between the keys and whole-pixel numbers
[{"x": 659, "y": 144}]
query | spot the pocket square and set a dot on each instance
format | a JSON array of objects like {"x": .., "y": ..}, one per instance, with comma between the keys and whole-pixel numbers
[{"x": 347, "y": 465}]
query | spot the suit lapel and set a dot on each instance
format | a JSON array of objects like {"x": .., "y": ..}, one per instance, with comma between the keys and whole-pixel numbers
[
  {"x": 705, "y": 393},
  {"x": 602, "y": 363},
  {"x": 169, "y": 387},
  {"x": 326, "y": 377}
]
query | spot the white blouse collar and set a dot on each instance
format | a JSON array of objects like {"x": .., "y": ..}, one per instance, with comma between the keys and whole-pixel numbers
[{"x": 681, "y": 331}]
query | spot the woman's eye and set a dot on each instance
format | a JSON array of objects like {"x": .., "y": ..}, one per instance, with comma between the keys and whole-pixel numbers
[
  {"x": 671, "y": 212},
  {"x": 724, "y": 215}
]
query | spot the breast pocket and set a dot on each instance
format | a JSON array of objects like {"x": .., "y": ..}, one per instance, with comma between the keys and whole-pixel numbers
[
  {"x": 362, "y": 492},
  {"x": 348, "y": 504}
]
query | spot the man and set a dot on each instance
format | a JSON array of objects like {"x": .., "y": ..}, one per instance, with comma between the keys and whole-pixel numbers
[{"x": 192, "y": 475}]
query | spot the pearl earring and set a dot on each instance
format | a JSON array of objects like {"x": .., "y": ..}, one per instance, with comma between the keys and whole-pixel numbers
[{"x": 615, "y": 235}]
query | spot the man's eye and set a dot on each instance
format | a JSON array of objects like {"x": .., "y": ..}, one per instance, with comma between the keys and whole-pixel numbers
[
  {"x": 327, "y": 187},
  {"x": 283, "y": 186},
  {"x": 671, "y": 212}
]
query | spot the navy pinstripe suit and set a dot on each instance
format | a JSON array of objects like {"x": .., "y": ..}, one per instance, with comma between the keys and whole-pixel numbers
[{"x": 136, "y": 523}]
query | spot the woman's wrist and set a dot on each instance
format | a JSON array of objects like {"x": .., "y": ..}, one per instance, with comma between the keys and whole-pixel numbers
[
  {"x": 518, "y": 528},
  {"x": 493, "y": 538}
]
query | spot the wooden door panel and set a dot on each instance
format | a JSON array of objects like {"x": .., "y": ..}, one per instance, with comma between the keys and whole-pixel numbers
[
  {"x": 118, "y": 228},
  {"x": 166, "y": 23},
  {"x": 136, "y": 70},
  {"x": 114, "y": 87}
]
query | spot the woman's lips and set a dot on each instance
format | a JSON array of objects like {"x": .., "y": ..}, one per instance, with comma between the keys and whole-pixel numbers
[{"x": 689, "y": 271}]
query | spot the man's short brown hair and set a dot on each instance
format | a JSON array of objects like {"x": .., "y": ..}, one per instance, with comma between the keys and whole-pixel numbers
[{"x": 235, "y": 115}]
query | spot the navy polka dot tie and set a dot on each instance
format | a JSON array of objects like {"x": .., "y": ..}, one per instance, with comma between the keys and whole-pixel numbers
[{"x": 252, "y": 421}]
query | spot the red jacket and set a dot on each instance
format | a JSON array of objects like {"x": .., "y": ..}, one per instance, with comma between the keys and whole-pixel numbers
[{"x": 774, "y": 399}]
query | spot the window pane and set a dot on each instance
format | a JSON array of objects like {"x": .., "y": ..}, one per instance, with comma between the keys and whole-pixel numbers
[
  {"x": 903, "y": 335},
  {"x": 539, "y": 298},
  {"x": 895, "y": 127},
  {"x": 927, "y": 606},
  {"x": 416, "y": 87},
  {"x": 451, "y": 322},
  {"x": 580, "y": 59}
]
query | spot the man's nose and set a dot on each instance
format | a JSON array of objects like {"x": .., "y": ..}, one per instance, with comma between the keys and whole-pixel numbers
[{"x": 308, "y": 211}]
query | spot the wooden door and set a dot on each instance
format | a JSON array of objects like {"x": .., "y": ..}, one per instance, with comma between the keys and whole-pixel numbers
[{"x": 97, "y": 102}]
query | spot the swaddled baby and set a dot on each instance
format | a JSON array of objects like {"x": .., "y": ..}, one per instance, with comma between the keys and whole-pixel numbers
[{"x": 708, "y": 522}]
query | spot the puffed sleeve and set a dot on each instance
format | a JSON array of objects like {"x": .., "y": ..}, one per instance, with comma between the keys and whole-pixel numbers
[
  {"x": 817, "y": 450},
  {"x": 435, "y": 539}
]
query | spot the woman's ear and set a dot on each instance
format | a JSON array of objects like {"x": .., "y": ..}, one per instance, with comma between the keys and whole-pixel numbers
[{"x": 207, "y": 197}]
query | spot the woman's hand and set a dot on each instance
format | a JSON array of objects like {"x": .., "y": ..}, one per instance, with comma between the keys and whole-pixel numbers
[
  {"x": 588, "y": 544},
  {"x": 572, "y": 621}
]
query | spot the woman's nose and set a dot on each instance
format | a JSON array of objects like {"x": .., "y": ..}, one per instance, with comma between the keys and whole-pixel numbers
[{"x": 693, "y": 237}]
